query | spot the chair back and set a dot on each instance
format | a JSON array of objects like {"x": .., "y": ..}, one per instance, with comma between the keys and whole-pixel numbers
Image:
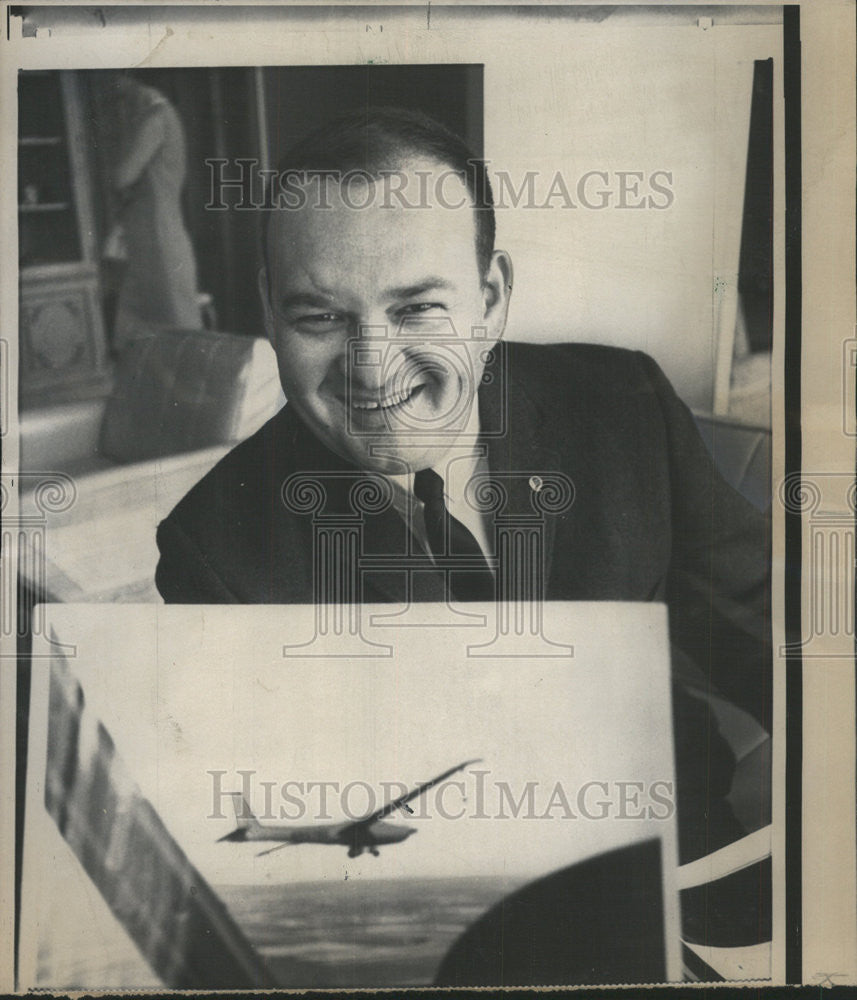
[{"x": 183, "y": 390}]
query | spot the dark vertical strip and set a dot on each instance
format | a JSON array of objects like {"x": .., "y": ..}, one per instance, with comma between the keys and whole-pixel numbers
[
  {"x": 228, "y": 315},
  {"x": 755, "y": 270},
  {"x": 25, "y": 600},
  {"x": 474, "y": 96},
  {"x": 794, "y": 671}
]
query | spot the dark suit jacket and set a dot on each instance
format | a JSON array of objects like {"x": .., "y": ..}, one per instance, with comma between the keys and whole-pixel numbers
[{"x": 651, "y": 519}]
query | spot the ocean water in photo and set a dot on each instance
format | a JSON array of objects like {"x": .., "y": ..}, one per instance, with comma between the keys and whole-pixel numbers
[{"x": 386, "y": 932}]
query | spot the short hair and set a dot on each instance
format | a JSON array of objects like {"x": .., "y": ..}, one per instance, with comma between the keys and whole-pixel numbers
[{"x": 373, "y": 139}]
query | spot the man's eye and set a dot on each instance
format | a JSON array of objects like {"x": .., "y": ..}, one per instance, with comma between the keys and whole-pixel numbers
[
  {"x": 417, "y": 308},
  {"x": 318, "y": 321}
]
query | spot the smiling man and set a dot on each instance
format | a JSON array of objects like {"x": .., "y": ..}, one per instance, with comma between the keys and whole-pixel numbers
[
  {"x": 385, "y": 300},
  {"x": 371, "y": 302}
]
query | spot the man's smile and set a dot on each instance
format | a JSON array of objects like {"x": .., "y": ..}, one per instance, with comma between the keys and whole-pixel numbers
[{"x": 387, "y": 401}]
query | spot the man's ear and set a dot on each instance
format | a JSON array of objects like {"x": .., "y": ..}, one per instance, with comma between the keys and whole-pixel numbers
[
  {"x": 496, "y": 292},
  {"x": 265, "y": 295}
]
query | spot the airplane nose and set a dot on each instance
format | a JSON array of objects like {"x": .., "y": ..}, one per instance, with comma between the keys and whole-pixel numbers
[{"x": 236, "y": 835}]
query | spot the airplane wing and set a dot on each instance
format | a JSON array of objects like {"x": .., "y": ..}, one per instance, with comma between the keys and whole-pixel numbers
[
  {"x": 391, "y": 807},
  {"x": 279, "y": 847}
]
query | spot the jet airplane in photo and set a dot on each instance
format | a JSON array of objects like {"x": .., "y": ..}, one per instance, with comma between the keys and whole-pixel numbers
[{"x": 365, "y": 834}]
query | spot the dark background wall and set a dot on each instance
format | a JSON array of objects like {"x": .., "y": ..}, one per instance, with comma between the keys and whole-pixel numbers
[
  {"x": 299, "y": 98},
  {"x": 227, "y": 113}
]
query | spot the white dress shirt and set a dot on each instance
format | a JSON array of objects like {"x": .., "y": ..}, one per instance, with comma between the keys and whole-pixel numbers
[{"x": 465, "y": 458}]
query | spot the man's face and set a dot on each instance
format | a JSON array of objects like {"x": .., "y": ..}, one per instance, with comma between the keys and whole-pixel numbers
[{"x": 380, "y": 318}]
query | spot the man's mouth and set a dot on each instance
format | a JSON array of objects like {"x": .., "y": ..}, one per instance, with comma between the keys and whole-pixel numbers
[{"x": 387, "y": 402}]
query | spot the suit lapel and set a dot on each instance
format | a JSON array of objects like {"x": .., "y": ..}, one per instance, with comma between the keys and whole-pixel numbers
[
  {"x": 386, "y": 534},
  {"x": 514, "y": 430},
  {"x": 383, "y": 534}
]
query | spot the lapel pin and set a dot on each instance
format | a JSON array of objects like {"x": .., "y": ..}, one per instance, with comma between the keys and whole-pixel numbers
[{"x": 536, "y": 483}]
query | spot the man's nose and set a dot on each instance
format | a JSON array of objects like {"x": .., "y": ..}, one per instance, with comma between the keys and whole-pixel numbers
[{"x": 375, "y": 358}]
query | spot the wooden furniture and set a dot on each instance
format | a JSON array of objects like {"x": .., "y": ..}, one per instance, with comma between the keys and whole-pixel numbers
[{"x": 63, "y": 350}]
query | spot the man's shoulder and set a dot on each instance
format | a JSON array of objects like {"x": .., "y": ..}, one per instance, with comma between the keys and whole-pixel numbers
[
  {"x": 235, "y": 480},
  {"x": 573, "y": 358},
  {"x": 578, "y": 370}
]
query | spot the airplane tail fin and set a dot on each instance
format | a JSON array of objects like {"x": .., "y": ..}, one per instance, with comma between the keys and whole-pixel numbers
[
  {"x": 243, "y": 813},
  {"x": 243, "y": 817}
]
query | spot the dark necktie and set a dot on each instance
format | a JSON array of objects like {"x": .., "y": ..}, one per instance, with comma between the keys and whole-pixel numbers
[{"x": 449, "y": 541}]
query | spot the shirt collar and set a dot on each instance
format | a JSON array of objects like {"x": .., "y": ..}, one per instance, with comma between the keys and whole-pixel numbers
[{"x": 465, "y": 450}]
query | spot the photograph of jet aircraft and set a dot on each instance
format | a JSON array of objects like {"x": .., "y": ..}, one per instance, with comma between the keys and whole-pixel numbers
[{"x": 365, "y": 834}]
